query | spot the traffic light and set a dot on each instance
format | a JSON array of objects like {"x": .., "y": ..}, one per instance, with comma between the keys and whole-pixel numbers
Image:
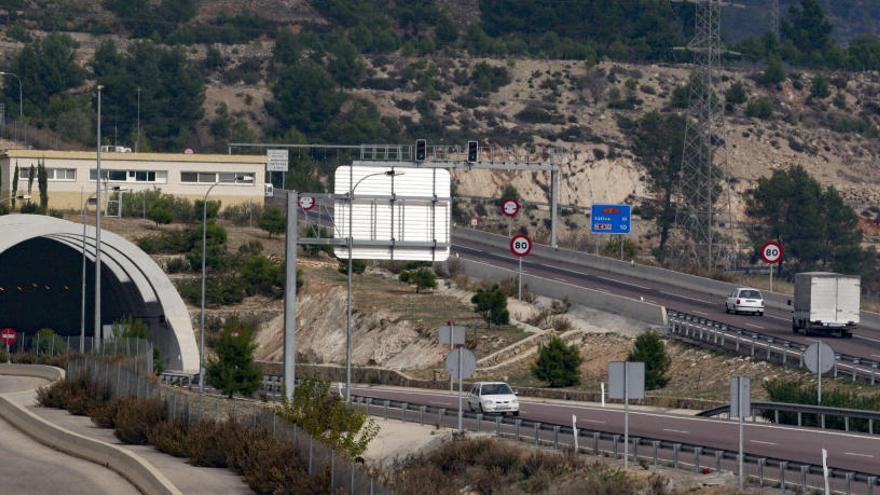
[
  {"x": 473, "y": 151},
  {"x": 421, "y": 150}
]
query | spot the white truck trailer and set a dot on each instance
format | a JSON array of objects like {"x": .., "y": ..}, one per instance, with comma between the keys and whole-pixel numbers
[{"x": 826, "y": 303}]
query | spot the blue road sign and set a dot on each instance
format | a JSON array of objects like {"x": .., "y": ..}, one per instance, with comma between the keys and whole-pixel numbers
[{"x": 610, "y": 219}]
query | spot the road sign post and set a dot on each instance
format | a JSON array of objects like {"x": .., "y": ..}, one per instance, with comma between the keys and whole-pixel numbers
[
  {"x": 771, "y": 253},
  {"x": 510, "y": 208},
  {"x": 626, "y": 380},
  {"x": 8, "y": 336},
  {"x": 611, "y": 219},
  {"x": 520, "y": 246},
  {"x": 461, "y": 362},
  {"x": 741, "y": 406},
  {"x": 452, "y": 335},
  {"x": 819, "y": 359}
]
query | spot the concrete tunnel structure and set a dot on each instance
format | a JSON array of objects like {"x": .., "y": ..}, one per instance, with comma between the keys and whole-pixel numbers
[{"x": 41, "y": 285}]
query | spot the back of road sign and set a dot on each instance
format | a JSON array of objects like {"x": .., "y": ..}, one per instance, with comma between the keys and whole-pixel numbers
[
  {"x": 635, "y": 378},
  {"x": 468, "y": 363}
]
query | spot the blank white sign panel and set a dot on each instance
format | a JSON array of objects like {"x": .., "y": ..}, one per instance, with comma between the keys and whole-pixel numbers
[{"x": 417, "y": 218}]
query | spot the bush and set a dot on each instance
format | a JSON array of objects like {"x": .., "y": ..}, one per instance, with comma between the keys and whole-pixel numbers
[
  {"x": 273, "y": 221},
  {"x": 205, "y": 446},
  {"x": 161, "y": 214},
  {"x": 247, "y": 213},
  {"x": 79, "y": 396},
  {"x": 357, "y": 267},
  {"x": 170, "y": 437},
  {"x": 233, "y": 369},
  {"x": 760, "y": 108},
  {"x": 177, "y": 265},
  {"x": 820, "y": 87},
  {"x": 213, "y": 209},
  {"x": 558, "y": 364},
  {"x": 492, "y": 305},
  {"x": 220, "y": 290},
  {"x": 649, "y": 348},
  {"x": 262, "y": 276},
  {"x": 423, "y": 278},
  {"x": 168, "y": 242},
  {"x": 104, "y": 415},
  {"x": 534, "y": 114},
  {"x": 136, "y": 418}
]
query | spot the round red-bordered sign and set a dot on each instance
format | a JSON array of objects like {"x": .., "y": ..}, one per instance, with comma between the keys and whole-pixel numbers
[
  {"x": 771, "y": 252},
  {"x": 520, "y": 245},
  {"x": 307, "y": 202},
  {"x": 7, "y": 336},
  {"x": 510, "y": 207}
]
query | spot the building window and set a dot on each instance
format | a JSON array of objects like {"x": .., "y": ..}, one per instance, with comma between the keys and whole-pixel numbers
[
  {"x": 68, "y": 174},
  {"x": 221, "y": 177},
  {"x": 156, "y": 176}
]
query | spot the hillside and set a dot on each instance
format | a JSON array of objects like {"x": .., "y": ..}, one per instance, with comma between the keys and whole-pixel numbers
[{"x": 203, "y": 73}]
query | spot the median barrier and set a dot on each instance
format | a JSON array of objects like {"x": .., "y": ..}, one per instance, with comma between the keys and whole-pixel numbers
[
  {"x": 129, "y": 465},
  {"x": 652, "y": 314}
]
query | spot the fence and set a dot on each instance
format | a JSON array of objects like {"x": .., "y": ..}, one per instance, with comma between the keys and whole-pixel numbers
[
  {"x": 764, "y": 471},
  {"x": 808, "y": 415},
  {"x": 343, "y": 475},
  {"x": 709, "y": 333},
  {"x": 44, "y": 345}
]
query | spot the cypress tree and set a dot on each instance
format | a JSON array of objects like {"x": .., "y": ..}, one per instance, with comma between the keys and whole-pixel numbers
[
  {"x": 15, "y": 184},
  {"x": 43, "y": 184}
]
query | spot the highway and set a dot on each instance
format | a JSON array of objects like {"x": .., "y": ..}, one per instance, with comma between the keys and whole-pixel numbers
[
  {"x": 776, "y": 322},
  {"x": 31, "y": 467},
  {"x": 846, "y": 451}
]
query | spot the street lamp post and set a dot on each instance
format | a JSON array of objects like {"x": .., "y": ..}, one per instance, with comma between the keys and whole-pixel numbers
[
  {"x": 20, "y": 99},
  {"x": 82, "y": 318},
  {"x": 204, "y": 257},
  {"x": 97, "y": 343},
  {"x": 389, "y": 173}
]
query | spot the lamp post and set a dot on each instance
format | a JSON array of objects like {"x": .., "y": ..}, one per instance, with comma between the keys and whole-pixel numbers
[
  {"x": 20, "y": 99},
  {"x": 97, "y": 343},
  {"x": 388, "y": 173},
  {"x": 137, "y": 139},
  {"x": 245, "y": 178},
  {"x": 82, "y": 317}
]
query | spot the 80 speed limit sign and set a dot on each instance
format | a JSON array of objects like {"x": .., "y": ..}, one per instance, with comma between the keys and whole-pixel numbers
[
  {"x": 520, "y": 245},
  {"x": 771, "y": 252}
]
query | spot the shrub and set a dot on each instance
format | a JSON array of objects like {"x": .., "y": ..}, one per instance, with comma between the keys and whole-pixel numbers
[
  {"x": 492, "y": 305},
  {"x": 204, "y": 444},
  {"x": 649, "y": 348},
  {"x": 273, "y": 221},
  {"x": 534, "y": 114},
  {"x": 219, "y": 290},
  {"x": 170, "y": 437},
  {"x": 213, "y": 209},
  {"x": 168, "y": 242},
  {"x": 177, "y": 265},
  {"x": 423, "y": 278},
  {"x": 357, "y": 267},
  {"x": 104, "y": 415},
  {"x": 262, "y": 276},
  {"x": 243, "y": 214},
  {"x": 136, "y": 418},
  {"x": 820, "y": 87},
  {"x": 760, "y": 108},
  {"x": 558, "y": 364},
  {"x": 233, "y": 369},
  {"x": 79, "y": 396},
  {"x": 161, "y": 214}
]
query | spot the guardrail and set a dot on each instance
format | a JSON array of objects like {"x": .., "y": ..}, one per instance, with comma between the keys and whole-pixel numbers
[
  {"x": 646, "y": 450},
  {"x": 710, "y": 333},
  {"x": 807, "y": 415}
]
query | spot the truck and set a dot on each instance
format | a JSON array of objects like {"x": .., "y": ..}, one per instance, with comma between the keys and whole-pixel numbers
[{"x": 826, "y": 303}]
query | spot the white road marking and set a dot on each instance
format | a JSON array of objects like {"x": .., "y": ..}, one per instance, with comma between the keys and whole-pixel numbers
[
  {"x": 596, "y": 421},
  {"x": 676, "y": 431},
  {"x": 759, "y": 327},
  {"x": 859, "y": 455},
  {"x": 862, "y": 337},
  {"x": 778, "y": 317},
  {"x": 875, "y": 355},
  {"x": 701, "y": 313},
  {"x": 763, "y": 442},
  {"x": 616, "y": 281}
]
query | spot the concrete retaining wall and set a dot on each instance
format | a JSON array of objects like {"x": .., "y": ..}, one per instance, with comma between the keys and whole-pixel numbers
[
  {"x": 131, "y": 466},
  {"x": 624, "y": 306}
]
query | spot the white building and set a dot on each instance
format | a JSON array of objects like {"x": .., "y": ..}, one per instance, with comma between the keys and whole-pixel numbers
[{"x": 72, "y": 175}]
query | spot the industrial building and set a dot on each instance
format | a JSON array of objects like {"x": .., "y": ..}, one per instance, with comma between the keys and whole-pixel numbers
[{"x": 72, "y": 174}]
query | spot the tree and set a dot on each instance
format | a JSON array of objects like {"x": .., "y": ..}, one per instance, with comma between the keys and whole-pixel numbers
[
  {"x": 736, "y": 94},
  {"x": 357, "y": 267},
  {"x": 129, "y": 327},
  {"x": 32, "y": 174},
  {"x": 173, "y": 87},
  {"x": 818, "y": 230},
  {"x": 15, "y": 178},
  {"x": 807, "y": 28},
  {"x": 43, "y": 185},
  {"x": 558, "y": 364},
  {"x": 262, "y": 276},
  {"x": 491, "y": 304},
  {"x": 649, "y": 348},
  {"x": 658, "y": 142},
  {"x": 340, "y": 426},
  {"x": 46, "y": 66},
  {"x": 213, "y": 209},
  {"x": 423, "y": 278},
  {"x": 509, "y": 192},
  {"x": 820, "y": 88},
  {"x": 273, "y": 221},
  {"x": 305, "y": 97},
  {"x": 215, "y": 240},
  {"x": 233, "y": 370},
  {"x": 760, "y": 108},
  {"x": 160, "y": 213},
  {"x": 773, "y": 74}
]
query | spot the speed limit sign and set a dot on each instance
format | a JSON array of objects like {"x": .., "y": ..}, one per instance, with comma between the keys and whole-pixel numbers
[
  {"x": 520, "y": 245},
  {"x": 771, "y": 252},
  {"x": 307, "y": 202},
  {"x": 510, "y": 207}
]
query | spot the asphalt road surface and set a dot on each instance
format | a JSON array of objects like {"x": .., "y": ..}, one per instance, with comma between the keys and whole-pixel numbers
[
  {"x": 30, "y": 467},
  {"x": 847, "y": 451},
  {"x": 865, "y": 342}
]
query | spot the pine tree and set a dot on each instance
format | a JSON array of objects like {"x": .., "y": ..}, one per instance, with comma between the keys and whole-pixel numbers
[
  {"x": 234, "y": 370},
  {"x": 492, "y": 305},
  {"x": 273, "y": 221},
  {"x": 649, "y": 348},
  {"x": 43, "y": 184},
  {"x": 558, "y": 364}
]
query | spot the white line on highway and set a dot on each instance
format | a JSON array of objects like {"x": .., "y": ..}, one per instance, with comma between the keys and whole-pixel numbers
[
  {"x": 866, "y": 338},
  {"x": 763, "y": 442},
  {"x": 875, "y": 355},
  {"x": 759, "y": 327},
  {"x": 701, "y": 313},
  {"x": 859, "y": 455},
  {"x": 676, "y": 431},
  {"x": 778, "y": 318},
  {"x": 596, "y": 421},
  {"x": 620, "y": 282}
]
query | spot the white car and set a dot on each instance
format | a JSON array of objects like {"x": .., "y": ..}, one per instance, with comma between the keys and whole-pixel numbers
[
  {"x": 745, "y": 300},
  {"x": 493, "y": 397}
]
